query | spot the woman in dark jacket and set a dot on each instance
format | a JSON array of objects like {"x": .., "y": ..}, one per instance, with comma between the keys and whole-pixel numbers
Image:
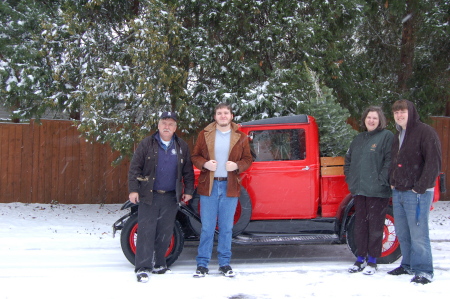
[{"x": 366, "y": 172}]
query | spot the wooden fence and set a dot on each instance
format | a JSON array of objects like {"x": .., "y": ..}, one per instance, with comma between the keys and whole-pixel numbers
[
  {"x": 51, "y": 163},
  {"x": 442, "y": 126}
]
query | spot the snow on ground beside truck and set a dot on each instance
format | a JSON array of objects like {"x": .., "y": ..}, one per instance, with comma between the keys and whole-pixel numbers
[{"x": 67, "y": 251}]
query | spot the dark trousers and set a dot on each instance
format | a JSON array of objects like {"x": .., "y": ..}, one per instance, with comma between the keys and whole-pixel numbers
[
  {"x": 155, "y": 230},
  {"x": 369, "y": 224}
]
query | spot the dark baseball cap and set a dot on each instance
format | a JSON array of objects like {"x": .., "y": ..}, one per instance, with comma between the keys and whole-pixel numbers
[{"x": 167, "y": 114}]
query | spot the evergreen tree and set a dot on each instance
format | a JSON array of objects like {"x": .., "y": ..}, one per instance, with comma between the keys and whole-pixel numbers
[
  {"x": 116, "y": 65},
  {"x": 335, "y": 134},
  {"x": 25, "y": 71},
  {"x": 372, "y": 70},
  {"x": 129, "y": 70},
  {"x": 251, "y": 53},
  {"x": 429, "y": 85}
]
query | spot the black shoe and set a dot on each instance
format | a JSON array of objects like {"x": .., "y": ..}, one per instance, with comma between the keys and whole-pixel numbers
[
  {"x": 357, "y": 267},
  {"x": 420, "y": 280},
  {"x": 161, "y": 270},
  {"x": 201, "y": 272},
  {"x": 227, "y": 271},
  {"x": 398, "y": 271},
  {"x": 143, "y": 274}
]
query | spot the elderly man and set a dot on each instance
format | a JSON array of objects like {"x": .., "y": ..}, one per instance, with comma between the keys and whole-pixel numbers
[{"x": 160, "y": 176}]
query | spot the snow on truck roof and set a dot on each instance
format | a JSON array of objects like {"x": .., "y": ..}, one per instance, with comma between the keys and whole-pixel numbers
[{"x": 301, "y": 118}]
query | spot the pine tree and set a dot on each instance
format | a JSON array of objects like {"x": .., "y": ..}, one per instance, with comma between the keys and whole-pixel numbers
[
  {"x": 25, "y": 71},
  {"x": 130, "y": 69},
  {"x": 250, "y": 53},
  {"x": 117, "y": 64},
  {"x": 369, "y": 72},
  {"x": 335, "y": 134}
]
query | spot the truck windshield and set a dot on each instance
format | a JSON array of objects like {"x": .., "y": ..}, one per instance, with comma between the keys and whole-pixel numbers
[{"x": 277, "y": 145}]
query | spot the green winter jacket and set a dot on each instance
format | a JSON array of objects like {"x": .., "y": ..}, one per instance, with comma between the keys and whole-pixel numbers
[{"x": 367, "y": 164}]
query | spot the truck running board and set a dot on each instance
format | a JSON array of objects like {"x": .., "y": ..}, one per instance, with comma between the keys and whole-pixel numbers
[{"x": 288, "y": 239}]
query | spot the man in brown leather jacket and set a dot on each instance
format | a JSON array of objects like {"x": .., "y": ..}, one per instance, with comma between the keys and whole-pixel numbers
[{"x": 221, "y": 152}]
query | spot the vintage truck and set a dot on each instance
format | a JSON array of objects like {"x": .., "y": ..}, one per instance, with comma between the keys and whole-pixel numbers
[{"x": 290, "y": 195}]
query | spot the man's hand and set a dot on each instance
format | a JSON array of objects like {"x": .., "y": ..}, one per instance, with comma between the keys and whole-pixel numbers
[
  {"x": 211, "y": 165},
  {"x": 186, "y": 198},
  {"x": 134, "y": 197},
  {"x": 231, "y": 166}
]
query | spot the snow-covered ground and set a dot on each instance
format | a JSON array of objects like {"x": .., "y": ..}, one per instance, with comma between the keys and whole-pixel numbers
[{"x": 67, "y": 251}]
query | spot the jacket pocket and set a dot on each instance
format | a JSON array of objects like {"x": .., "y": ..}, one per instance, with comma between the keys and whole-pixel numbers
[
  {"x": 383, "y": 181},
  {"x": 144, "y": 188},
  {"x": 203, "y": 176}
]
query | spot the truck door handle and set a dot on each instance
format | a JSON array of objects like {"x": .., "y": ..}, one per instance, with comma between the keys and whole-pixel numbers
[{"x": 305, "y": 168}]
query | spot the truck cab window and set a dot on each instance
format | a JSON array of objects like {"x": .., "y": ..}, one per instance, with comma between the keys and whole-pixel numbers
[{"x": 278, "y": 145}]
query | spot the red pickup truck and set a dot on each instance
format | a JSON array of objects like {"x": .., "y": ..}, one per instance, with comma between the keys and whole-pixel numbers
[{"x": 290, "y": 195}]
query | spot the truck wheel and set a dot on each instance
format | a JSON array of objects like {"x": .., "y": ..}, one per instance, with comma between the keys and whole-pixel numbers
[
  {"x": 128, "y": 238},
  {"x": 390, "y": 251},
  {"x": 241, "y": 217}
]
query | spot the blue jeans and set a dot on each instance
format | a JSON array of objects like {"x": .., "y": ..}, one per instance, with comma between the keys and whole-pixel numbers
[
  {"x": 216, "y": 209},
  {"x": 411, "y": 211}
]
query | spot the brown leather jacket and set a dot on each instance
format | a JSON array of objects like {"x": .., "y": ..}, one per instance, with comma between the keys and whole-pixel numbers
[{"x": 204, "y": 151}]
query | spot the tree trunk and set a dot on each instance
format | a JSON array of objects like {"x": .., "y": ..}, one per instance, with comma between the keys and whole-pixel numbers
[{"x": 407, "y": 45}]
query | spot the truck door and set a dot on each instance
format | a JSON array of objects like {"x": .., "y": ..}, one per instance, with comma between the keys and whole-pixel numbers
[{"x": 282, "y": 183}]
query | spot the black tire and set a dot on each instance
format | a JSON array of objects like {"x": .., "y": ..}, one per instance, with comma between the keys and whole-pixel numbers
[
  {"x": 391, "y": 247},
  {"x": 129, "y": 234},
  {"x": 241, "y": 217}
]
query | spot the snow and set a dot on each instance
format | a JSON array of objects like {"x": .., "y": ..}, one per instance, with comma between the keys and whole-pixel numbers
[{"x": 67, "y": 251}]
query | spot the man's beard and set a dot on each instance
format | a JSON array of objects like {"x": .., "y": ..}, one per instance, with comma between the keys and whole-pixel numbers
[{"x": 224, "y": 124}]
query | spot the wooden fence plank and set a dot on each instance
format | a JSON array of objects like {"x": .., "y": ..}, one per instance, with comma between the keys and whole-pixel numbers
[
  {"x": 102, "y": 170},
  {"x": 96, "y": 155},
  {"x": 89, "y": 173},
  {"x": 10, "y": 161},
  {"x": 14, "y": 168},
  {"x": 82, "y": 184},
  {"x": 4, "y": 148},
  {"x": 442, "y": 126},
  {"x": 66, "y": 172},
  {"x": 109, "y": 178},
  {"x": 35, "y": 151},
  {"x": 26, "y": 163},
  {"x": 61, "y": 161},
  {"x": 45, "y": 167},
  {"x": 38, "y": 162},
  {"x": 54, "y": 140},
  {"x": 74, "y": 143},
  {"x": 122, "y": 180}
]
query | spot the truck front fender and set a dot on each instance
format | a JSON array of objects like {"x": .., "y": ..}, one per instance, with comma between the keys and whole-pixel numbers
[
  {"x": 345, "y": 210},
  {"x": 129, "y": 204}
]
